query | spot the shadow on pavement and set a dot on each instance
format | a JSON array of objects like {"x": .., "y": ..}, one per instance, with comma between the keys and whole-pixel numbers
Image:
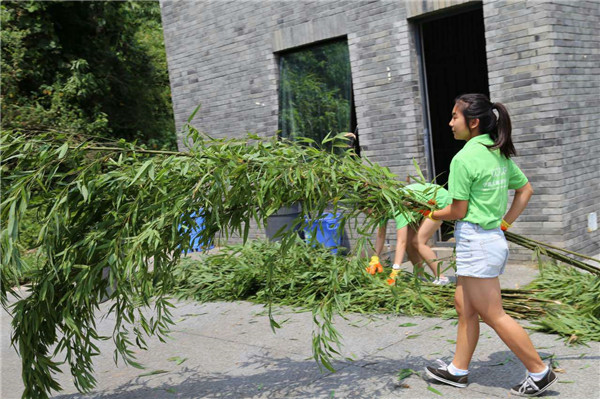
[{"x": 271, "y": 377}]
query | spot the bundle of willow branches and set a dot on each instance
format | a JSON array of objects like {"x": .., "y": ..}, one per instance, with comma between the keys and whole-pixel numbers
[
  {"x": 560, "y": 300},
  {"x": 116, "y": 208},
  {"x": 556, "y": 253}
]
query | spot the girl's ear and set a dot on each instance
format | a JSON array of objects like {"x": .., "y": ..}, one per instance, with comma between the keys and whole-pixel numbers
[{"x": 474, "y": 123}]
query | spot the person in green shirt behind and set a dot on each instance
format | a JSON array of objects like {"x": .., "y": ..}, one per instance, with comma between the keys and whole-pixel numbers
[
  {"x": 480, "y": 176},
  {"x": 412, "y": 234}
]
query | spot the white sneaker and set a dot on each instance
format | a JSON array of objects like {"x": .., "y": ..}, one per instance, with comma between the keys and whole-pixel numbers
[{"x": 441, "y": 281}]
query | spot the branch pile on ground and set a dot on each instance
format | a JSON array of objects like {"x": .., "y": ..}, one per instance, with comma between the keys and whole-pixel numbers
[{"x": 561, "y": 300}]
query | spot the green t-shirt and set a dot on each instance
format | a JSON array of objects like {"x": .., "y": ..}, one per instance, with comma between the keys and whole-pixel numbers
[
  {"x": 424, "y": 193},
  {"x": 483, "y": 177}
]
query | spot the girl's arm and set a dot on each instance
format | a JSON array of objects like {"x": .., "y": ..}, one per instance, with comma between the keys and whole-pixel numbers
[
  {"x": 455, "y": 211},
  {"x": 522, "y": 196}
]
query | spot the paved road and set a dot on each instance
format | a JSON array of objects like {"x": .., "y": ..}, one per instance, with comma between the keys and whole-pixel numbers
[{"x": 227, "y": 350}]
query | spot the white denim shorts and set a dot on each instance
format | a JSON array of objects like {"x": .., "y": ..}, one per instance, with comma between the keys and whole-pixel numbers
[{"x": 479, "y": 253}]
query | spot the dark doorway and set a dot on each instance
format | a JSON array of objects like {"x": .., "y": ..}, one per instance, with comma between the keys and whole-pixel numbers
[{"x": 455, "y": 63}]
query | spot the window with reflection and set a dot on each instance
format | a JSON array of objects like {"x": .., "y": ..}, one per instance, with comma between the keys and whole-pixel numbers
[{"x": 315, "y": 92}]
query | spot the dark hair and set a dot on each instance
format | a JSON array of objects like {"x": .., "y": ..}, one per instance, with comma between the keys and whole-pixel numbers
[{"x": 478, "y": 106}]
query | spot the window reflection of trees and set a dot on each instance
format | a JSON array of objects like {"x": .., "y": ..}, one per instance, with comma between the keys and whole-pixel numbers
[{"x": 315, "y": 91}]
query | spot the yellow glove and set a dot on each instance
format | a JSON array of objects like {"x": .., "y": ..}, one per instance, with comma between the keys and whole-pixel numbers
[
  {"x": 374, "y": 265},
  {"x": 392, "y": 279}
]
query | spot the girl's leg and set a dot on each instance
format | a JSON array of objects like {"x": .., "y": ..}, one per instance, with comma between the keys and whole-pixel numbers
[
  {"x": 411, "y": 249},
  {"x": 399, "y": 257},
  {"x": 380, "y": 240},
  {"x": 484, "y": 295},
  {"x": 468, "y": 327},
  {"x": 401, "y": 235},
  {"x": 426, "y": 230}
]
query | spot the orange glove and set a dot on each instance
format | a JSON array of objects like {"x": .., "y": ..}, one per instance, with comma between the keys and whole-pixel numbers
[
  {"x": 427, "y": 212},
  {"x": 392, "y": 279},
  {"x": 374, "y": 266},
  {"x": 505, "y": 225}
]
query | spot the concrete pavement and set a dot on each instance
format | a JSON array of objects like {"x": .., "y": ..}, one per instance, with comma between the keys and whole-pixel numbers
[{"x": 227, "y": 350}]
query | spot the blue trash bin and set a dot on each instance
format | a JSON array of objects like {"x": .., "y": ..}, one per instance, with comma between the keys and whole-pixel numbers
[
  {"x": 325, "y": 229},
  {"x": 195, "y": 245}
]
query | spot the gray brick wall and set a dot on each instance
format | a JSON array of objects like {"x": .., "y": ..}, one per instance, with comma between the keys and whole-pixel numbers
[
  {"x": 577, "y": 53},
  {"x": 221, "y": 54},
  {"x": 542, "y": 62}
]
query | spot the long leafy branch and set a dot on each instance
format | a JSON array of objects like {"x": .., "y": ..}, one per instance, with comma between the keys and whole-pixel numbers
[
  {"x": 115, "y": 210},
  {"x": 119, "y": 209}
]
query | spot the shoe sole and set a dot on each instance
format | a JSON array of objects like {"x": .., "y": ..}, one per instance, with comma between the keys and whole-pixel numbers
[
  {"x": 537, "y": 393},
  {"x": 435, "y": 377}
]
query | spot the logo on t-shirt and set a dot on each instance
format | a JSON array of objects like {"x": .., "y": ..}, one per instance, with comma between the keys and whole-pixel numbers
[{"x": 497, "y": 179}]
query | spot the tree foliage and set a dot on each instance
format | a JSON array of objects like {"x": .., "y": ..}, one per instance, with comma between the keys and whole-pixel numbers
[
  {"x": 315, "y": 92},
  {"x": 94, "y": 67}
]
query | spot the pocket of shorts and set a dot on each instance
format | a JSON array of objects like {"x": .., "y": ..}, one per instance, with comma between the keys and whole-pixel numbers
[
  {"x": 496, "y": 252},
  {"x": 464, "y": 249}
]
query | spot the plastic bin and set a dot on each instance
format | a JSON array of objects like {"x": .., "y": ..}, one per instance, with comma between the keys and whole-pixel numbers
[
  {"x": 325, "y": 229},
  {"x": 195, "y": 245},
  {"x": 282, "y": 218}
]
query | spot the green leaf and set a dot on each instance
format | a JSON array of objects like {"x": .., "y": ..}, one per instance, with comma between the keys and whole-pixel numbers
[
  {"x": 191, "y": 117},
  {"x": 404, "y": 373},
  {"x": 178, "y": 360},
  {"x": 84, "y": 192},
  {"x": 143, "y": 169},
  {"x": 435, "y": 391},
  {"x": 151, "y": 172},
  {"x": 154, "y": 372},
  {"x": 416, "y": 165},
  {"x": 62, "y": 151},
  {"x": 408, "y": 325}
]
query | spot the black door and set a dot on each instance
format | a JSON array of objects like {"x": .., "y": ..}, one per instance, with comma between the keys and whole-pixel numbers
[{"x": 455, "y": 63}]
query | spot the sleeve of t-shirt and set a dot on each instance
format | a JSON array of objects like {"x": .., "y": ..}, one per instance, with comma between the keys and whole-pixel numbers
[
  {"x": 459, "y": 180},
  {"x": 516, "y": 178}
]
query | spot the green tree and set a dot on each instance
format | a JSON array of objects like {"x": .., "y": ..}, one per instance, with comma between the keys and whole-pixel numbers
[{"x": 90, "y": 67}]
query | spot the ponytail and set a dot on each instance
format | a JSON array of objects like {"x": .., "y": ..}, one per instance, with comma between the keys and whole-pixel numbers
[
  {"x": 478, "y": 106},
  {"x": 503, "y": 139}
]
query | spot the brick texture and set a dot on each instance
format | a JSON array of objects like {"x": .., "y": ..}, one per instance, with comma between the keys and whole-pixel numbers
[
  {"x": 543, "y": 62},
  {"x": 543, "y": 59}
]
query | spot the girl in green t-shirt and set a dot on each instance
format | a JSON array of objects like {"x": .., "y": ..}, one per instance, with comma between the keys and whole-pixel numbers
[
  {"x": 480, "y": 176},
  {"x": 412, "y": 235}
]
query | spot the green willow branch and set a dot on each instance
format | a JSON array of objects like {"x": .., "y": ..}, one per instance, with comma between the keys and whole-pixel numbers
[
  {"x": 545, "y": 245},
  {"x": 112, "y": 210},
  {"x": 138, "y": 150}
]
